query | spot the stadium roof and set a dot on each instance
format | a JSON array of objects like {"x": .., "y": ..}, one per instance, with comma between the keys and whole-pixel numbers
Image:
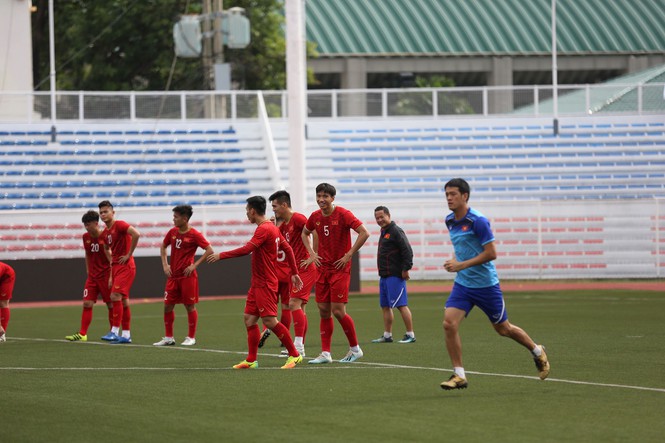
[{"x": 344, "y": 28}]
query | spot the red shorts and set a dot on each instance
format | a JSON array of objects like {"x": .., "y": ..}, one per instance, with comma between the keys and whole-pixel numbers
[
  {"x": 7, "y": 286},
  {"x": 94, "y": 287},
  {"x": 123, "y": 277},
  {"x": 184, "y": 290},
  {"x": 284, "y": 292},
  {"x": 332, "y": 286},
  {"x": 261, "y": 302},
  {"x": 308, "y": 277}
]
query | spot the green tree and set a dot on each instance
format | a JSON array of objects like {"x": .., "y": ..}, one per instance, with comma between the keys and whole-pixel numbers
[{"x": 118, "y": 45}]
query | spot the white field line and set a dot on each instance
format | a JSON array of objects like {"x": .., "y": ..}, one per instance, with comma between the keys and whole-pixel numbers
[{"x": 355, "y": 365}]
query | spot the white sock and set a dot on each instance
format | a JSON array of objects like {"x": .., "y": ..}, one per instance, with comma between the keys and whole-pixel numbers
[
  {"x": 537, "y": 351},
  {"x": 410, "y": 333},
  {"x": 115, "y": 329},
  {"x": 387, "y": 334},
  {"x": 298, "y": 342},
  {"x": 126, "y": 334},
  {"x": 355, "y": 348},
  {"x": 326, "y": 354},
  {"x": 460, "y": 372}
]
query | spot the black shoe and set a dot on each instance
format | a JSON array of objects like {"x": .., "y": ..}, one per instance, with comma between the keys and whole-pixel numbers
[{"x": 264, "y": 337}]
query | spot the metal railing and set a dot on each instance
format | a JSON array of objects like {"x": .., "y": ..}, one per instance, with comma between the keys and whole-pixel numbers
[{"x": 35, "y": 107}]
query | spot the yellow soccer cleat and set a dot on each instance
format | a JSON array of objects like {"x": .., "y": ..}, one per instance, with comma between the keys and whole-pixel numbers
[
  {"x": 76, "y": 337},
  {"x": 542, "y": 364},
  {"x": 454, "y": 382},
  {"x": 291, "y": 362},
  {"x": 246, "y": 365}
]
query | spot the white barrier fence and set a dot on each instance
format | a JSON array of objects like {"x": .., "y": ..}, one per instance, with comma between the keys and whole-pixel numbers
[
  {"x": 535, "y": 239},
  {"x": 525, "y": 101}
]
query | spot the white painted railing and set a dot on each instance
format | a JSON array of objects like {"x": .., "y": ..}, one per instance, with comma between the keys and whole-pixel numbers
[{"x": 531, "y": 100}]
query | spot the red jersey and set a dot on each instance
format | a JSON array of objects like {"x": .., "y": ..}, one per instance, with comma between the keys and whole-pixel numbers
[
  {"x": 98, "y": 263},
  {"x": 6, "y": 271},
  {"x": 292, "y": 233},
  {"x": 119, "y": 241},
  {"x": 183, "y": 249},
  {"x": 334, "y": 235},
  {"x": 264, "y": 247}
]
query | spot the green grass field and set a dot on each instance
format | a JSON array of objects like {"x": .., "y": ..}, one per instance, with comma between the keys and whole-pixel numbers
[{"x": 607, "y": 382}]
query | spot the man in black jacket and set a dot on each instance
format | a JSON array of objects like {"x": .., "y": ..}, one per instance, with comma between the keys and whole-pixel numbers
[{"x": 394, "y": 259}]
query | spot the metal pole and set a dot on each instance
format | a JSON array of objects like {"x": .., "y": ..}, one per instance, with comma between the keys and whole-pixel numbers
[
  {"x": 51, "y": 34},
  {"x": 555, "y": 79},
  {"x": 296, "y": 85}
]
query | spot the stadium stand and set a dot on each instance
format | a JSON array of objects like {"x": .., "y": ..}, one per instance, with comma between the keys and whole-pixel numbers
[{"x": 560, "y": 204}]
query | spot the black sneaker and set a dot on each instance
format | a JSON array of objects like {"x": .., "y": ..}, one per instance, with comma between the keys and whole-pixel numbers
[{"x": 264, "y": 337}]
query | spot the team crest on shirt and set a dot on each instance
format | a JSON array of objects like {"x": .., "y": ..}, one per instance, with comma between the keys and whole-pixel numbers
[
  {"x": 335, "y": 222},
  {"x": 387, "y": 236},
  {"x": 318, "y": 223},
  {"x": 465, "y": 228},
  {"x": 87, "y": 242}
]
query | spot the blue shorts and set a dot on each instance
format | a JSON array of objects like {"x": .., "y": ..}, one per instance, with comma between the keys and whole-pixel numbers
[
  {"x": 392, "y": 292},
  {"x": 489, "y": 300}
]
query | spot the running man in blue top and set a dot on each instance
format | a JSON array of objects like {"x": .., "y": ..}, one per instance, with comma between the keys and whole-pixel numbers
[{"x": 476, "y": 283}]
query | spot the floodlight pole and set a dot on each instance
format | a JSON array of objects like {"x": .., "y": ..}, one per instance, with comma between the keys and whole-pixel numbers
[
  {"x": 555, "y": 79},
  {"x": 296, "y": 85},
  {"x": 51, "y": 44}
]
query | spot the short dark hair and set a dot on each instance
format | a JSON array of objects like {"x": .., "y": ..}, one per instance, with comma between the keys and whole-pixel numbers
[
  {"x": 326, "y": 188},
  {"x": 281, "y": 196},
  {"x": 461, "y": 184},
  {"x": 257, "y": 203},
  {"x": 104, "y": 204},
  {"x": 185, "y": 210},
  {"x": 90, "y": 216},
  {"x": 382, "y": 208}
]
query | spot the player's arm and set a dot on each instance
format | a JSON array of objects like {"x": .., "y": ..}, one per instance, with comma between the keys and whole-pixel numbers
[
  {"x": 488, "y": 254},
  {"x": 313, "y": 256},
  {"x": 363, "y": 235},
  {"x": 165, "y": 264},
  {"x": 135, "y": 235},
  {"x": 191, "y": 268},
  {"x": 238, "y": 252}
]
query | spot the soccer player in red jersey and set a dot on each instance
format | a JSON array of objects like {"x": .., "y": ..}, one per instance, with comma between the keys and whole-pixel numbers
[
  {"x": 265, "y": 245},
  {"x": 283, "y": 292},
  {"x": 291, "y": 226},
  {"x": 121, "y": 238},
  {"x": 7, "y": 280},
  {"x": 182, "y": 284},
  {"x": 98, "y": 270},
  {"x": 333, "y": 225}
]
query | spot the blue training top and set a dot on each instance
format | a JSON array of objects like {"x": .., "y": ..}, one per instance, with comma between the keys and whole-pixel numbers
[{"x": 468, "y": 236}]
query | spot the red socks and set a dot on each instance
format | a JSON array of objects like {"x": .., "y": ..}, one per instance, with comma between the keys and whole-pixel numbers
[
  {"x": 327, "y": 326},
  {"x": 169, "y": 318},
  {"x": 86, "y": 319},
  {"x": 299, "y": 322},
  {"x": 126, "y": 318},
  {"x": 253, "y": 337},
  {"x": 349, "y": 329},
  {"x": 117, "y": 314},
  {"x": 282, "y": 333},
  {"x": 285, "y": 319},
  {"x": 192, "y": 320},
  {"x": 4, "y": 318}
]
